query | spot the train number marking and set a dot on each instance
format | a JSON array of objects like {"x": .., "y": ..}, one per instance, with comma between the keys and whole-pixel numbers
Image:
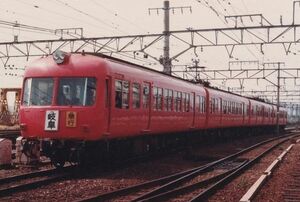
[{"x": 51, "y": 120}]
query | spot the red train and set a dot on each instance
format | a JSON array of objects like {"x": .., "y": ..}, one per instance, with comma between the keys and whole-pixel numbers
[{"x": 73, "y": 100}]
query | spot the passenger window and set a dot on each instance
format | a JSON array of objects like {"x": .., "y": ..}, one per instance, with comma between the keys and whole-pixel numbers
[
  {"x": 118, "y": 90},
  {"x": 175, "y": 101},
  {"x": 224, "y": 107},
  {"x": 146, "y": 91},
  {"x": 204, "y": 104},
  {"x": 157, "y": 96},
  {"x": 187, "y": 102},
  {"x": 159, "y": 101},
  {"x": 125, "y": 92},
  {"x": 184, "y": 101},
  {"x": 154, "y": 97},
  {"x": 212, "y": 104},
  {"x": 122, "y": 94},
  {"x": 136, "y": 95},
  {"x": 166, "y": 97},
  {"x": 178, "y": 101},
  {"x": 198, "y": 103},
  {"x": 192, "y": 103}
]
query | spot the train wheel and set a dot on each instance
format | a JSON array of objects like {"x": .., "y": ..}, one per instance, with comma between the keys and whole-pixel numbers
[{"x": 58, "y": 159}]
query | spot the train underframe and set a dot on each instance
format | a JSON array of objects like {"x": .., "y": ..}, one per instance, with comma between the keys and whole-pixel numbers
[{"x": 94, "y": 152}]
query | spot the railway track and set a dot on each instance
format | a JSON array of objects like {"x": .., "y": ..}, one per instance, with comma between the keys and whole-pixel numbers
[
  {"x": 33, "y": 180},
  {"x": 10, "y": 134},
  {"x": 204, "y": 176}
]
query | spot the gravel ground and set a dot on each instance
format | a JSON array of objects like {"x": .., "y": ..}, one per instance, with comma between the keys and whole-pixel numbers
[
  {"x": 239, "y": 186},
  {"x": 274, "y": 188},
  {"x": 74, "y": 189}
]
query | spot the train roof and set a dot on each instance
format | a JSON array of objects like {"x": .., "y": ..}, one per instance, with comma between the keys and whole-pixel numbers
[
  {"x": 113, "y": 59},
  {"x": 120, "y": 61}
]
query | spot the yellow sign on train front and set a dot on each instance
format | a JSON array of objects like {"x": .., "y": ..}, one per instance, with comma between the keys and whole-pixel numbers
[{"x": 71, "y": 119}]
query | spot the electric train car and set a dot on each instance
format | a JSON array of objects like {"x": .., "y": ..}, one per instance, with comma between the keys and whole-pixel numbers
[{"x": 71, "y": 101}]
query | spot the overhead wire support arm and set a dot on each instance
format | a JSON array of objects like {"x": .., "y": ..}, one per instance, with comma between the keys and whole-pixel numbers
[
  {"x": 241, "y": 18},
  {"x": 156, "y": 38},
  {"x": 294, "y": 10}
]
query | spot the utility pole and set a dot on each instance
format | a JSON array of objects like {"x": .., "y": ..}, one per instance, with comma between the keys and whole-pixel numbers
[
  {"x": 278, "y": 94},
  {"x": 166, "y": 60},
  {"x": 278, "y": 91}
]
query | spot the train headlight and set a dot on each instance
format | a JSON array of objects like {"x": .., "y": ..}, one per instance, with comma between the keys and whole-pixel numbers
[{"x": 59, "y": 56}]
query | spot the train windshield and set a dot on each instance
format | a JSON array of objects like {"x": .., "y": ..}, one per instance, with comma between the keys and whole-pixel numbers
[
  {"x": 38, "y": 91},
  {"x": 76, "y": 91}
]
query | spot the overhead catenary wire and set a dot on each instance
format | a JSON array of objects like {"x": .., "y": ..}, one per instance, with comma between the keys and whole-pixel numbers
[
  {"x": 91, "y": 16},
  {"x": 206, "y": 4},
  {"x": 93, "y": 26},
  {"x": 40, "y": 30},
  {"x": 119, "y": 16}
]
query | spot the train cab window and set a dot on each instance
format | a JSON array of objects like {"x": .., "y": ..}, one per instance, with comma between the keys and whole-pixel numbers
[
  {"x": 146, "y": 92},
  {"x": 122, "y": 94},
  {"x": 76, "y": 91},
  {"x": 136, "y": 95},
  {"x": 38, "y": 91}
]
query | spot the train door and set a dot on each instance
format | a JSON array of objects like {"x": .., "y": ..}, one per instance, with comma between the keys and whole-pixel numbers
[
  {"x": 108, "y": 103},
  {"x": 146, "y": 106}
]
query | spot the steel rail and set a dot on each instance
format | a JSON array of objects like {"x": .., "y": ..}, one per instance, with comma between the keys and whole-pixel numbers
[
  {"x": 212, "y": 189},
  {"x": 188, "y": 188},
  {"x": 33, "y": 185},
  {"x": 167, "y": 180},
  {"x": 52, "y": 175},
  {"x": 40, "y": 173}
]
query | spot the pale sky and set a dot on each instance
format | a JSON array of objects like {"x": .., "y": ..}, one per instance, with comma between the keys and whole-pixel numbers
[{"x": 131, "y": 17}]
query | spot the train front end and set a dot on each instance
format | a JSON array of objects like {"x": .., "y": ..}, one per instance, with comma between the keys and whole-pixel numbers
[{"x": 61, "y": 105}]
